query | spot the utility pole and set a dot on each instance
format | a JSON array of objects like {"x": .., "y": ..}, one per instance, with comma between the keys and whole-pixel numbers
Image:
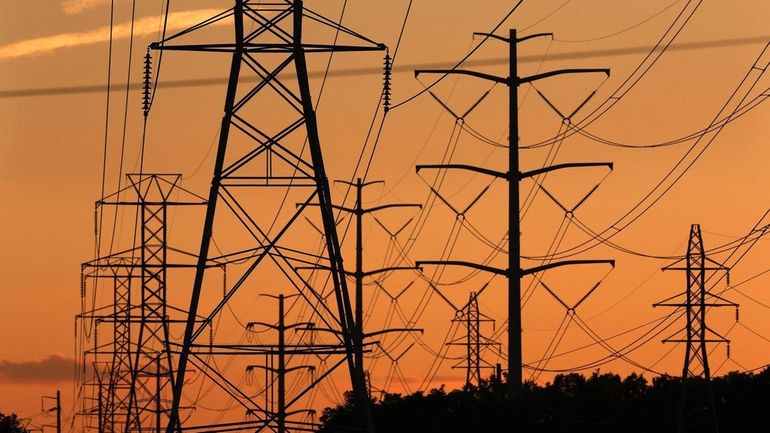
[
  {"x": 158, "y": 392},
  {"x": 100, "y": 410},
  {"x": 514, "y": 272},
  {"x": 359, "y": 211},
  {"x": 282, "y": 370},
  {"x": 696, "y": 413},
  {"x": 56, "y": 409}
]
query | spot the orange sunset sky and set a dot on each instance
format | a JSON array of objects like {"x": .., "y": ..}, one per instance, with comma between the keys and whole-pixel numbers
[{"x": 51, "y": 150}]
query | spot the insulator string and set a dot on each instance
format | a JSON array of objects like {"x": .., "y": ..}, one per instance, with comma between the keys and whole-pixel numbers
[
  {"x": 147, "y": 84},
  {"x": 387, "y": 70}
]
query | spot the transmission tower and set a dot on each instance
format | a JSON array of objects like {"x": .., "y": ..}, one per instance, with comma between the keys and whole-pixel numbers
[
  {"x": 697, "y": 408},
  {"x": 473, "y": 340},
  {"x": 269, "y": 154},
  {"x": 514, "y": 271},
  {"x": 276, "y": 415},
  {"x": 359, "y": 334},
  {"x": 134, "y": 385},
  {"x": 107, "y": 381}
]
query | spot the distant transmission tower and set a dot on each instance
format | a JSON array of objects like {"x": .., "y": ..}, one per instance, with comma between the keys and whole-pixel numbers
[
  {"x": 473, "y": 341},
  {"x": 697, "y": 408},
  {"x": 134, "y": 385},
  {"x": 277, "y": 415},
  {"x": 269, "y": 157},
  {"x": 359, "y": 334}
]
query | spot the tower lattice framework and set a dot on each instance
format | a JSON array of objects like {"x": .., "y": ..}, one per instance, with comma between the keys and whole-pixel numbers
[
  {"x": 697, "y": 411},
  {"x": 130, "y": 390},
  {"x": 268, "y": 177},
  {"x": 473, "y": 341}
]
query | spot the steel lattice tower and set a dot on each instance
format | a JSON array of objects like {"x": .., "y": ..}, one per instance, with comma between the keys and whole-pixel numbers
[
  {"x": 697, "y": 408},
  {"x": 134, "y": 385},
  {"x": 269, "y": 157},
  {"x": 108, "y": 389},
  {"x": 473, "y": 340},
  {"x": 119, "y": 383}
]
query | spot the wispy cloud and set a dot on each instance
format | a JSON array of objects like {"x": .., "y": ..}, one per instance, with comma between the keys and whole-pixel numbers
[
  {"x": 52, "y": 369},
  {"x": 72, "y": 7},
  {"x": 142, "y": 27}
]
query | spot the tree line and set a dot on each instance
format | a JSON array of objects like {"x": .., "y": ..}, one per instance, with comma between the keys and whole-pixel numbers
[{"x": 601, "y": 402}]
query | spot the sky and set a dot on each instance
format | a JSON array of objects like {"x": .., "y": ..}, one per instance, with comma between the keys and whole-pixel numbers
[{"x": 52, "y": 150}]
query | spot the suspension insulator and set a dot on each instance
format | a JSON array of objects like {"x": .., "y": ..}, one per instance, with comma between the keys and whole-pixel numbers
[
  {"x": 82, "y": 284},
  {"x": 728, "y": 278},
  {"x": 96, "y": 220},
  {"x": 147, "y": 80},
  {"x": 737, "y": 314},
  {"x": 728, "y": 350},
  {"x": 386, "y": 82},
  {"x": 211, "y": 337},
  {"x": 224, "y": 282}
]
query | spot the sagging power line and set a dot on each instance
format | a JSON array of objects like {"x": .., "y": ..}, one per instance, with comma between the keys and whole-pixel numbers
[{"x": 405, "y": 68}]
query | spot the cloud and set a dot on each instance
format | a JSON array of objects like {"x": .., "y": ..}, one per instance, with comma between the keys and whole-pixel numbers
[
  {"x": 72, "y": 7},
  {"x": 142, "y": 27},
  {"x": 54, "y": 368}
]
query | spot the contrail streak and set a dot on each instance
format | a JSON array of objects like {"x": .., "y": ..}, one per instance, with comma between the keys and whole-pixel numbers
[
  {"x": 142, "y": 27},
  {"x": 612, "y": 52}
]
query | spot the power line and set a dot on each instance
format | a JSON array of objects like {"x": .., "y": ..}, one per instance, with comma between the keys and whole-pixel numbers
[
  {"x": 651, "y": 198},
  {"x": 350, "y": 72}
]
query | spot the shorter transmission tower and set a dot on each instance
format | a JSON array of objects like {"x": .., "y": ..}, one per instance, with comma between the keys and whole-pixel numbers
[
  {"x": 276, "y": 374},
  {"x": 473, "y": 340},
  {"x": 359, "y": 334},
  {"x": 132, "y": 372},
  {"x": 697, "y": 407}
]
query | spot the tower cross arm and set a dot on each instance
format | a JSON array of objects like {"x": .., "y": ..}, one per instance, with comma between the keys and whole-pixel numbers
[
  {"x": 508, "y": 40},
  {"x": 391, "y": 205},
  {"x": 531, "y": 173},
  {"x": 263, "y": 47},
  {"x": 512, "y": 80},
  {"x": 537, "y": 269},
  {"x": 364, "y": 211},
  {"x": 531, "y": 78},
  {"x": 386, "y": 331},
  {"x": 488, "y": 77},
  {"x": 278, "y": 370},
  {"x": 481, "y": 170},
  {"x": 389, "y": 269},
  {"x": 478, "y": 266},
  {"x": 675, "y": 266},
  {"x": 363, "y": 184}
]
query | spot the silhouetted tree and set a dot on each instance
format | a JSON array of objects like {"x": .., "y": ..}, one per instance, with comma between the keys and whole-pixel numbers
[
  {"x": 11, "y": 424},
  {"x": 599, "y": 403}
]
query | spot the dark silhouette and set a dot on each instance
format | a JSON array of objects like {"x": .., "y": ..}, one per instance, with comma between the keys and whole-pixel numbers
[
  {"x": 601, "y": 402},
  {"x": 696, "y": 404},
  {"x": 11, "y": 424},
  {"x": 514, "y": 272}
]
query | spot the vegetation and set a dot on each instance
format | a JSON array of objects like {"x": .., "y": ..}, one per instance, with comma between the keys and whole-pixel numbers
[
  {"x": 602, "y": 402},
  {"x": 11, "y": 424}
]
